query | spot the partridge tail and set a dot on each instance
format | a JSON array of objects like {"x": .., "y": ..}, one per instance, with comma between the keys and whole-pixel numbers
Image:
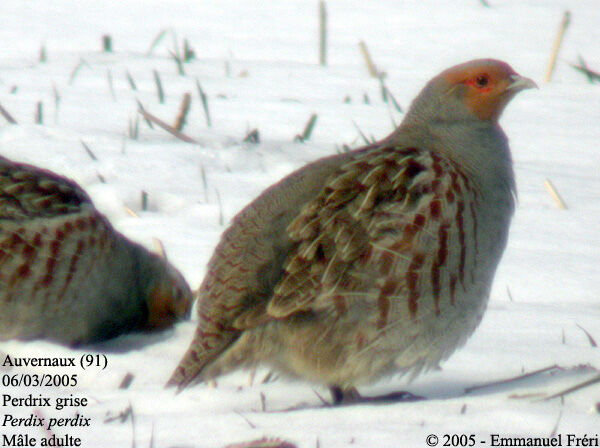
[{"x": 201, "y": 353}]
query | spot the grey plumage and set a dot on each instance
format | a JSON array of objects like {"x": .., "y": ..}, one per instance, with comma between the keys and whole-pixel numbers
[{"x": 371, "y": 262}]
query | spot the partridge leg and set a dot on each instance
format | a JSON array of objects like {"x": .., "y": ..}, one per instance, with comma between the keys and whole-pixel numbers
[{"x": 351, "y": 396}]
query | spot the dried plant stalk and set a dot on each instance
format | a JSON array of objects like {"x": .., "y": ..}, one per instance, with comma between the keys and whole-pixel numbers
[
  {"x": 555, "y": 195},
  {"x": 8, "y": 117},
  {"x": 557, "y": 42},
  {"x": 368, "y": 60},
  {"x": 184, "y": 108},
  {"x": 170, "y": 129},
  {"x": 322, "y": 34}
]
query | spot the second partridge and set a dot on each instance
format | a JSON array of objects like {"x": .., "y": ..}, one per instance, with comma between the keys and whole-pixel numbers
[{"x": 66, "y": 275}]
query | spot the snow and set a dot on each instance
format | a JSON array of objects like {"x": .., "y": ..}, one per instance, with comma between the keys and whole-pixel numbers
[{"x": 257, "y": 63}]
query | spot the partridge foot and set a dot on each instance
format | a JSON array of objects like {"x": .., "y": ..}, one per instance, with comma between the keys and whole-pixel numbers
[{"x": 351, "y": 396}]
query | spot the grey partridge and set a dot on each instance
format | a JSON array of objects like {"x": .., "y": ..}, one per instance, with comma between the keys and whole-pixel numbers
[
  {"x": 371, "y": 262},
  {"x": 66, "y": 275}
]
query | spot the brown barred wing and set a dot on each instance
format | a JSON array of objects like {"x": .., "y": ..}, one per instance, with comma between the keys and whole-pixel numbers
[
  {"x": 28, "y": 192},
  {"x": 388, "y": 228}
]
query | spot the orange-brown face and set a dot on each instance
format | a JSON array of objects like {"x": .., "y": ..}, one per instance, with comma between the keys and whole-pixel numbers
[
  {"x": 487, "y": 87},
  {"x": 168, "y": 303}
]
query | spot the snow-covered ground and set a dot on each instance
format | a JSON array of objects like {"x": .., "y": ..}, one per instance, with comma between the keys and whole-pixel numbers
[{"x": 257, "y": 63}]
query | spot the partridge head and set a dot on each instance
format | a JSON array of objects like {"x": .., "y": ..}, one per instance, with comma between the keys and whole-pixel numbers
[
  {"x": 372, "y": 262},
  {"x": 65, "y": 273}
]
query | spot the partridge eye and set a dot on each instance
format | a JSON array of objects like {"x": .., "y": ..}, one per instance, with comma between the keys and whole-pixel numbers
[{"x": 482, "y": 80}]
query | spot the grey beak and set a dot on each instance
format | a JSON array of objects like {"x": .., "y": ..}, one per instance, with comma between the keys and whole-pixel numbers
[{"x": 521, "y": 83}]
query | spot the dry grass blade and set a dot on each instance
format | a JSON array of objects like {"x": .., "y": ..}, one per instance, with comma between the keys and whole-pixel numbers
[
  {"x": 592, "y": 76},
  {"x": 323, "y": 400},
  {"x": 555, "y": 429},
  {"x": 156, "y": 41},
  {"x": 41, "y": 416},
  {"x": 133, "y": 444},
  {"x": 392, "y": 119},
  {"x": 88, "y": 150},
  {"x": 151, "y": 444},
  {"x": 555, "y": 195},
  {"x": 159, "y": 88},
  {"x": 39, "y": 113},
  {"x": 141, "y": 108},
  {"x": 252, "y": 137},
  {"x": 111, "y": 84},
  {"x": 56, "y": 101},
  {"x": 176, "y": 55},
  {"x": 204, "y": 100},
  {"x": 184, "y": 108},
  {"x": 121, "y": 416},
  {"x": 144, "y": 200},
  {"x": 8, "y": 117},
  {"x": 589, "y": 336},
  {"x": 75, "y": 72},
  {"x": 157, "y": 121},
  {"x": 204, "y": 182},
  {"x": 510, "y": 297},
  {"x": 368, "y": 60},
  {"x": 107, "y": 44},
  {"x": 269, "y": 377},
  {"x": 263, "y": 443},
  {"x": 394, "y": 102},
  {"x": 188, "y": 51},
  {"x": 322, "y": 33},
  {"x": 570, "y": 390},
  {"x": 263, "y": 402},
  {"x": 126, "y": 381},
  {"x": 557, "y": 43},
  {"x": 134, "y": 128},
  {"x": 43, "y": 57},
  {"x": 484, "y": 3},
  {"x": 221, "y": 215},
  {"x": 131, "y": 212},
  {"x": 551, "y": 368},
  {"x": 526, "y": 395},
  {"x": 363, "y": 136},
  {"x": 387, "y": 96},
  {"x": 252, "y": 425},
  {"x": 130, "y": 81},
  {"x": 308, "y": 128},
  {"x": 177, "y": 58}
]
